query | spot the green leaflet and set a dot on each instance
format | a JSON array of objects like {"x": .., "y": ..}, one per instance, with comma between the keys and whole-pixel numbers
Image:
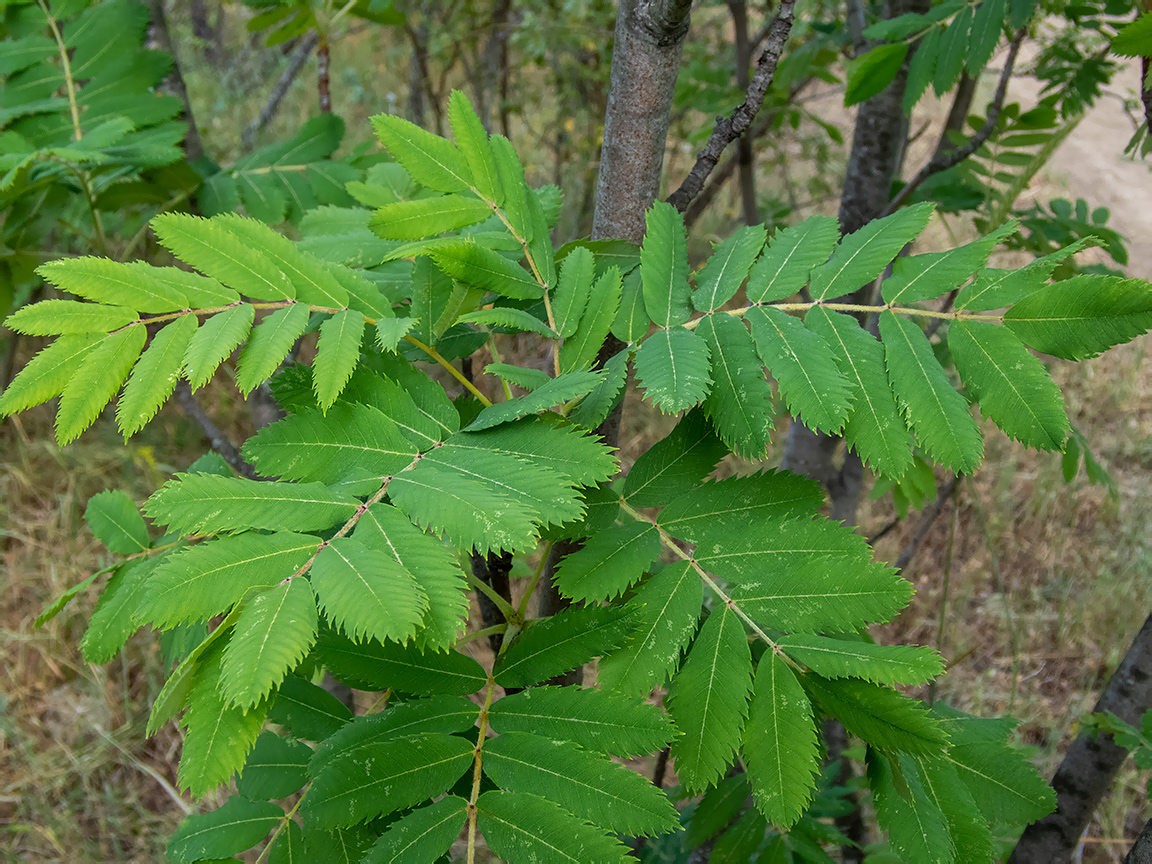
[
  {"x": 742, "y": 840},
  {"x": 337, "y": 353},
  {"x": 935, "y": 411},
  {"x": 922, "y": 277},
  {"x": 1082, "y": 316},
  {"x": 553, "y": 646},
  {"x": 155, "y": 376},
  {"x": 780, "y": 745},
  {"x": 584, "y": 783},
  {"x": 994, "y": 289},
  {"x": 664, "y": 266},
  {"x": 884, "y": 718},
  {"x": 880, "y": 664},
  {"x": 235, "y": 826},
  {"x": 366, "y": 592},
  {"x": 922, "y": 67},
  {"x": 792, "y": 253},
  {"x": 871, "y": 72},
  {"x": 503, "y": 316},
  {"x": 47, "y": 373},
  {"x": 371, "y": 665},
  {"x": 583, "y": 345},
  {"x": 669, "y": 603},
  {"x": 96, "y": 381},
  {"x": 969, "y": 830},
  {"x": 565, "y": 449},
  {"x": 717, "y": 808},
  {"x": 987, "y": 25},
  {"x": 608, "y": 562},
  {"x": 174, "y": 694},
  {"x": 276, "y": 767},
  {"x": 709, "y": 699},
  {"x": 104, "y": 281},
  {"x": 563, "y": 388},
  {"x": 631, "y": 321},
  {"x": 528, "y": 379},
  {"x": 675, "y": 464},
  {"x": 389, "y": 331},
  {"x": 269, "y": 344},
  {"x": 602, "y": 399},
  {"x": 431, "y": 160},
  {"x": 273, "y": 633},
  {"x": 204, "y": 580},
  {"x": 673, "y": 368},
  {"x": 540, "y": 256},
  {"x": 343, "y": 845},
  {"x": 399, "y": 719},
  {"x": 803, "y": 574},
  {"x": 740, "y": 403},
  {"x": 425, "y": 217},
  {"x": 727, "y": 268},
  {"x": 874, "y": 427},
  {"x": 422, "y": 425},
  {"x": 523, "y": 827},
  {"x": 473, "y": 143},
  {"x": 307, "y": 710},
  {"x": 116, "y": 522},
  {"x": 1003, "y": 782},
  {"x": 469, "y": 262},
  {"x": 738, "y": 504},
  {"x": 215, "y": 340},
  {"x": 113, "y": 619},
  {"x": 383, "y": 778},
  {"x": 215, "y": 251},
  {"x": 804, "y": 368},
  {"x": 430, "y": 562},
  {"x": 1011, "y": 384},
  {"x": 954, "y": 44},
  {"x": 349, "y": 440},
  {"x": 511, "y": 178},
  {"x": 290, "y": 846},
  {"x": 916, "y": 826},
  {"x": 863, "y": 254},
  {"x": 423, "y": 835},
  {"x": 573, "y": 290},
  {"x": 312, "y": 281},
  {"x": 52, "y": 317},
  {"x": 596, "y": 719},
  {"x": 364, "y": 296}
]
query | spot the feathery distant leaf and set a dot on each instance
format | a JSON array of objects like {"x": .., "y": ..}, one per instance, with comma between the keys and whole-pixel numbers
[
  {"x": 673, "y": 368},
  {"x": 780, "y": 746},
  {"x": 727, "y": 268},
  {"x": 674, "y": 464},
  {"x": 269, "y": 344},
  {"x": 47, "y": 374},
  {"x": 53, "y": 317},
  {"x": 608, "y": 562},
  {"x": 523, "y": 827},
  {"x": 105, "y": 281},
  {"x": 337, "y": 353},
  {"x": 738, "y": 504},
  {"x": 273, "y": 633},
  {"x": 371, "y": 665},
  {"x": 96, "y": 381},
  {"x": 880, "y": 664},
  {"x": 155, "y": 376},
  {"x": 1012, "y": 385},
  {"x": 664, "y": 266},
  {"x": 562, "y": 388},
  {"x": 709, "y": 699},
  {"x": 884, "y": 718},
  {"x": 431, "y": 160},
  {"x": 423, "y": 835},
  {"x": 935, "y": 411},
  {"x": 804, "y": 368},
  {"x": 786, "y": 265},
  {"x": 552, "y": 646},
  {"x": 114, "y": 519},
  {"x": 863, "y": 254},
  {"x": 596, "y": 719},
  {"x": 740, "y": 403},
  {"x": 214, "y": 341},
  {"x": 582, "y": 346}
]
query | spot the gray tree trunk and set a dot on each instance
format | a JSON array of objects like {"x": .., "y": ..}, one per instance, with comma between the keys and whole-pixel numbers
[{"x": 747, "y": 165}]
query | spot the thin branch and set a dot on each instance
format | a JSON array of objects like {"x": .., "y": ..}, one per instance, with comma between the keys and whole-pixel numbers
[
  {"x": 729, "y": 128},
  {"x": 928, "y": 517},
  {"x": 220, "y": 442},
  {"x": 952, "y": 158},
  {"x": 299, "y": 58}
]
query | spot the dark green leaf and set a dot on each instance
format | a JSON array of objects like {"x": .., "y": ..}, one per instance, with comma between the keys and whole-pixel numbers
[
  {"x": 235, "y": 826},
  {"x": 552, "y": 646}
]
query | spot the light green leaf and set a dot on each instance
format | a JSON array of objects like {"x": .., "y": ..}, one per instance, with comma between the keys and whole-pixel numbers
[
  {"x": 581, "y": 348},
  {"x": 47, "y": 373},
  {"x": 804, "y": 368},
  {"x": 96, "y": 381},
  {"x": 217, "y": 252},
  {"x": 922, "y": 277},
  {"x": 933, "y": 408},
  {"x": 664, "y": 266},
  {"x": 276, "y": 767},
  {"x": 423, "y": 835},
  {"x": 552, "y": 646},
  {"x": 563, "y": 388},
  {"x": 366, "y": 592},
  {"x": 709, "y": 699},
  {"x": 863, "y": 254},
  {"x": 511, "y": 178},
  {"x": 569, "y": 451},
  {"x": 371, "y": 665},
  {"x": 884, "y": 718},
  {"x": 874, "y": 426},
  {"x": 738, "y": 504},
  {"x": 273, "y": 633},
  {"x": 792, "y": 253},
  {"x": 473, "y": 143},
  {"x": 204, "y": 580},
  {"x": 215, "y": 340},
  {"x": 155, "y": 376},
  {"x": 389, "y": 331},
  {"x": 113, "y": 619},
  {"x": 740, "y": 403},
  {"x": 631, "y": 321},
  {"x": 431, "y": 160},
  {"x": 602, "y": 399},
  {"x": 871, "y": 72},
  {"x": 1003, "y": 782},
  {"x": 727, "y": 268},
  {"x": 504, "y": 316},
  {"x": 426, "y": 217},
  {"x": 880, "y": 664},
  {"x": 104, "y": 281},
  {"x": 596, "y": 719},
  {"x": 573, "y": 290},
  {"x": 176, "y": 690},
  {"x": 269, "y": 344},
  {"x": 383, "y": 778},
  {"x": 337, "y": 353},
  {"x": 523, "y": 827},
  {"x": 608, "y": 562},
  {"x": 916, "y": 826},
  {"x": 1083, "y": 316},
  {"x": 675, "y": 464},
  {"x": 234, "y": 827},
  {"x": 116, "y": 522},
  {"x": 52, "y": 317},
  {"x": 473, "y": 264},
  {"x": 669, "y": 603},
  {"x": 1012, "y": 385},
  {"x": 673, "y": 368},
  {"x": 582, "y": 782},
  {"x": 780, "y": 746}
]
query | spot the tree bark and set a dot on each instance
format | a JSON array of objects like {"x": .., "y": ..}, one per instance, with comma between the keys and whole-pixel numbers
[
  {"x": 739, "y": 12},
  {"x": 1141, "y": 851},
  {"x": 1090, "y": 766}
]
